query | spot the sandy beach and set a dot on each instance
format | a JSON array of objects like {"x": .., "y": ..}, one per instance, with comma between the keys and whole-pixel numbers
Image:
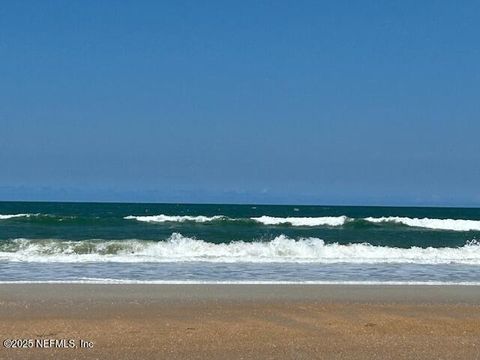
[{"x": 241, "y": 321}]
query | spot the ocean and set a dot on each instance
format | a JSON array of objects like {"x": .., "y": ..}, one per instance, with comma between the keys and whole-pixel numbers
[{"x": 193, "y": 243}]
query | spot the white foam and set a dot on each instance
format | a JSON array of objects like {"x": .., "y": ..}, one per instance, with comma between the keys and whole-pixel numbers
[
  {"x": 302, "y": 221},
  {"x": 11, "y": 216},
  {"x": 183, "y": 249},
  {"x": 439, "y": 224},
  {"x": 170, "y": 218},
  {"x": 110, "y": 281}
]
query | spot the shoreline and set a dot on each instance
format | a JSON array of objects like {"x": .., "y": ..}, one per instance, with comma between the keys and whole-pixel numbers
[
  {"x": 387, "y": 293},
  {"x": 109, "y": 282},
  {"x": 243, "y": 321}
]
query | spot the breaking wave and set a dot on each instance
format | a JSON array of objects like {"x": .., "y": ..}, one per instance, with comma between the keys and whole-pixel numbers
[
  {"x": 302, "y": 221},
  {"x": 168, "y": 218},
  {"x": 265, "y": 220},
  {"x": 460, "y": 225},
  {"x": 178, "y": 248},
  {"x": 434, "y": 224},
  {"x": 438, "y": 224},
  {"x": 11, "y": 216}
]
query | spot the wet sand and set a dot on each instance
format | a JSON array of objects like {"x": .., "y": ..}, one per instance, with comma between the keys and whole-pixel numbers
[{"x": 242, "y": 321}]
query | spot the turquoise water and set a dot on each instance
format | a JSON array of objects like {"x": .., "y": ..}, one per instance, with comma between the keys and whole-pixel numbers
[{"x": 237, "y": 243}]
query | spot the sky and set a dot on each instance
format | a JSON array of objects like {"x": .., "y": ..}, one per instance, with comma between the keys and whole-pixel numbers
[{"x": 313, "y": 102}]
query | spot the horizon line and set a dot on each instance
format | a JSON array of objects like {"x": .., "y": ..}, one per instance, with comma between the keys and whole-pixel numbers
[{"x": 240, "y": 204}]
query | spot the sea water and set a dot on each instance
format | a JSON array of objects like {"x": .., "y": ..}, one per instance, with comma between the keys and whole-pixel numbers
[{"x": 192, "y": 243}]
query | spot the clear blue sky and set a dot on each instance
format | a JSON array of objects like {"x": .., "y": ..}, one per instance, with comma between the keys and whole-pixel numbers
[{"x": 336, "y": 102}]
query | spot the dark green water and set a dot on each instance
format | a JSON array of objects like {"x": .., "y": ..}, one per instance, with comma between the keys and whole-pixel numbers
[
  {"x": 81, "y": 221},
  {"x": 180, "y": 242}
]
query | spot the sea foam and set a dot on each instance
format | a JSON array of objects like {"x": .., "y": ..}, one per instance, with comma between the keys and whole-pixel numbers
[
  {"x": 302, "y": 221},
  {"x": 175, "y": 218},
  {"x": 265, "y": 220},
  {"x": 11, "y": 216},
  {"x": 111, "y": 281},
  {"x": 439, "y": 224},
  {"x": 178, "y": 248},
  {"x": 427, "y": 223}
]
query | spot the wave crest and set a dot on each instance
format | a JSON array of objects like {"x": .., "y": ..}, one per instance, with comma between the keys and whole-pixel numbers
[
  {"x": 302, "y": 221},
  {"x": 438, "y": 224},
  {"x": 11, "y": 216},
  {"x": 175, "y": 218},
  {"x": 178, "y": 248},
  {"x": 461, "y": 225}
]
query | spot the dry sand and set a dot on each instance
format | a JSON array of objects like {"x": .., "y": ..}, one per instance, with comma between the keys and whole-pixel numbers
[{"x": 243, "y": 321}]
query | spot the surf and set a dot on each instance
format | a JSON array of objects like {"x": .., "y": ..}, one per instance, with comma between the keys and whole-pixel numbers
[{"x": 178, "y": 248}]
